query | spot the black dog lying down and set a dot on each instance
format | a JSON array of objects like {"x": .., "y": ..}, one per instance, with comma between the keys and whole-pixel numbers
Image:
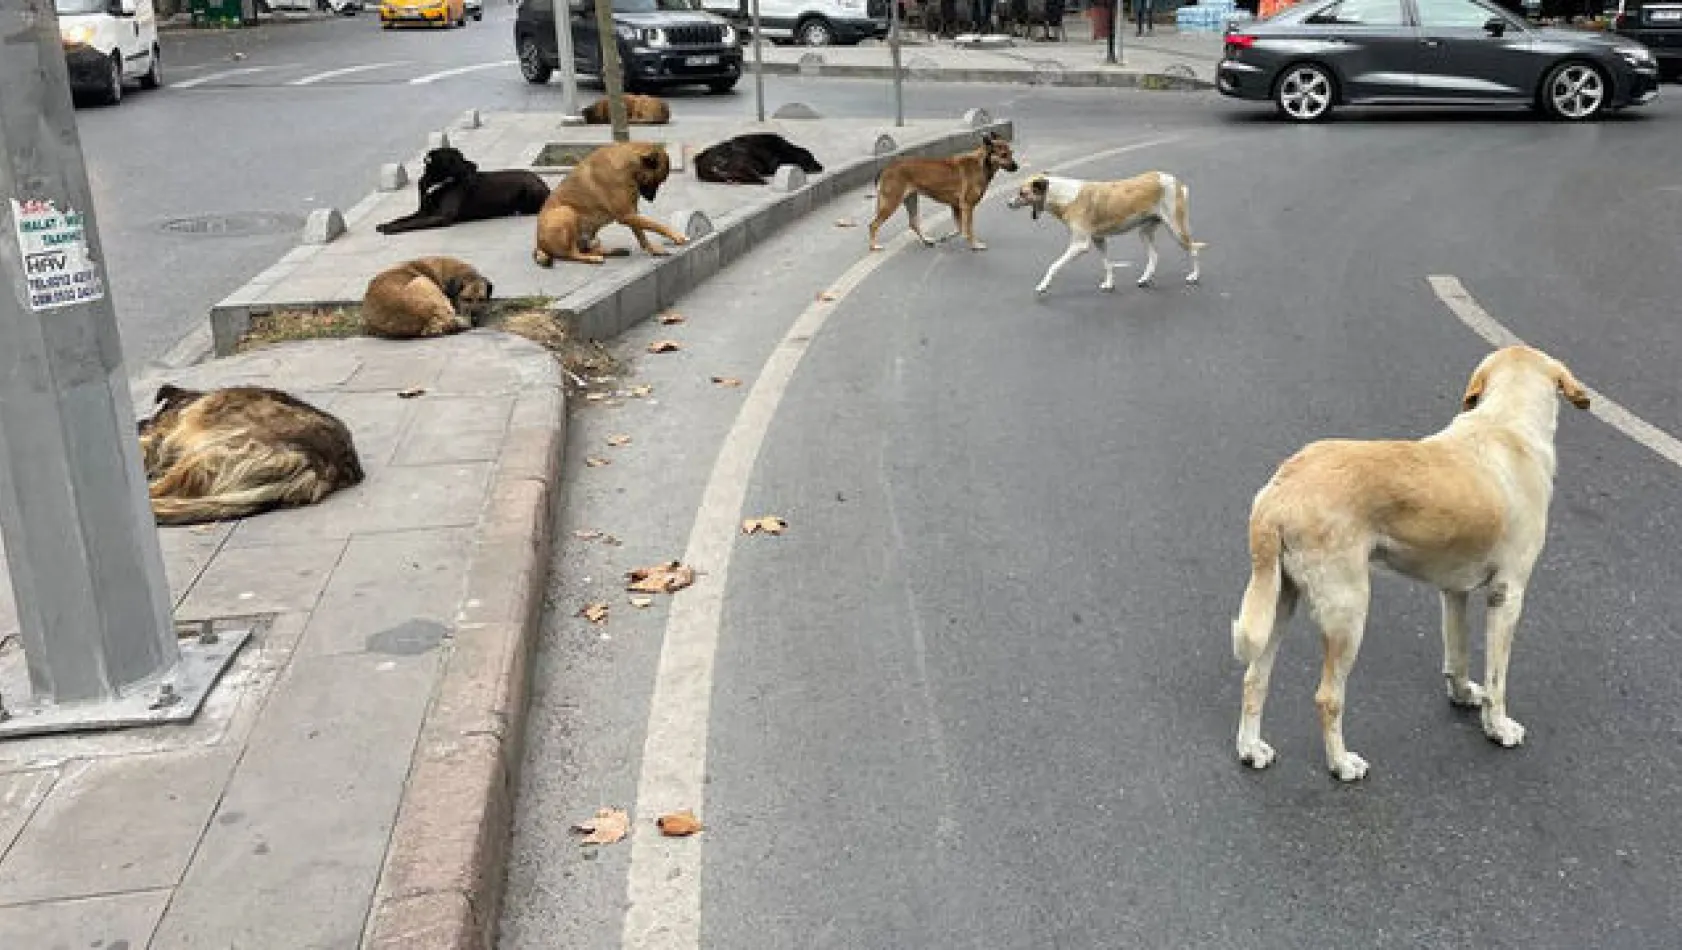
[
  {"x": 453, "y": 189},
  {"x": 750, "y": 159}
]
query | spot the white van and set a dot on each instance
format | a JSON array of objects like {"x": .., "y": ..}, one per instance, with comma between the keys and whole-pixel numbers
[
  {"x": 108, "y": 43},
  {"x": 811, "y": 22}
]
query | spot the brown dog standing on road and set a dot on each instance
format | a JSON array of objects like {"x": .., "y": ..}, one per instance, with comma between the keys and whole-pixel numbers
[
  {"x": 959, "y": 182},
  {"x": 232, "y": 453},
  {"x": 602, "y": 189},
  {"x": 1463, "y": 509},
  {"x": 429, "y": 296},
  {"x": 639, "y": 110}
]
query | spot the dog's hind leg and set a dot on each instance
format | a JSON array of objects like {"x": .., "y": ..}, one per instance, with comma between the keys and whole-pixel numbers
[
  {"x": 912, "y": 212},
  {"x": 1339, "y": 598},
  {"x": 1179, "y": 226},
  {"x": 1078, "y": 245},
  {"x": 1109, "y": 265},
  {"x": 1506, "y": 601},
  {"x": 1252, "y": 751},
  {"x": 1147, "y": 234},
  {"x": 1456, "y": 661}
]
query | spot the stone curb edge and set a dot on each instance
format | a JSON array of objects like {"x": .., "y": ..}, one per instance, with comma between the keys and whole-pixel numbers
[
  {"x": 441, "y": 884},
  {"x": 603, "y": 310},
  {"x": 1079, "y": 78}
]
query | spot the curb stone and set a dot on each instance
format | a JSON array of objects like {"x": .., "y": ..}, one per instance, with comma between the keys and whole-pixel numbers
[
  {"x": 1085, "y": 78},
  {"x": 441, "y": 884}
]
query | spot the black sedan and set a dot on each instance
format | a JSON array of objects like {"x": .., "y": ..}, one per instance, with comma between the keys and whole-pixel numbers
[{"x": 1319, "y": 54}]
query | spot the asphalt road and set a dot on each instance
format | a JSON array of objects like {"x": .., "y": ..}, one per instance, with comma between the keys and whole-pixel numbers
[{"x": 981, "y": 693}]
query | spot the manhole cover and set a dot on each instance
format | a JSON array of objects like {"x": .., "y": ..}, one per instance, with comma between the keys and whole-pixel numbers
[{"x": 234, "y": 225}]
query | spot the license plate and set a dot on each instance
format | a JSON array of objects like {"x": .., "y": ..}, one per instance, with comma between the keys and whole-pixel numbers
[
  {"x": 1664, "y": 16},
  {"x": 701, "y": 61}
]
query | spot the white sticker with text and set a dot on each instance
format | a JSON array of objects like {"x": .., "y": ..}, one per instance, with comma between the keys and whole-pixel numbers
[{"x": 55, "y": 256}]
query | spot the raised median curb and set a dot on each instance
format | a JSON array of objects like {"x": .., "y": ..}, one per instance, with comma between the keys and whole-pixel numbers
[{"x": 1079, "y": 78}]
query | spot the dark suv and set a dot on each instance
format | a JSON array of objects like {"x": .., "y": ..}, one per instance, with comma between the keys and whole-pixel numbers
[
  {"x": 1655, "y": 24},
  {"x": 661, "y": 43}
]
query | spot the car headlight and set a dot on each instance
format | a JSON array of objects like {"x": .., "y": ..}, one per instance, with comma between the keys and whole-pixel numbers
[
  {"x": 729, "y": 38},
  {"x": 654, "y": 37},
  {"x": 1635, "y": 55},
  {"x": 629, "y": 34},
  {"x": 77, "y": 34}
]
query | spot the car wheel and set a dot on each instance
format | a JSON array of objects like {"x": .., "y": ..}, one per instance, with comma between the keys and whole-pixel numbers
[
  {"x": 479, "y": 15},
  {"x": 1574, "y": 92},
  {"x": 154, "y": 77},
  {"x": 532, "y": 65},
  {"x": 1305, "y": 92},
  {"x": 722, "y": 86},
  {"x": 112, "y": 92},
  {"x": 815, "y": 31}
]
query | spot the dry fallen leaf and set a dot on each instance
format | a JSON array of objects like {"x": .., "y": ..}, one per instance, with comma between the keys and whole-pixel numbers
[
  {"x": 612, "y": 541},
  {"x": 846, "y": 223},
  {"x": 596, "y": 612},
  {"x": 641, "y": 392},
  {"x": 596, "y": 462},
  {"x": 664, "y": 346},
  {"x": 728, "y": 382},
  {"x": 641, "y": 602},
  {"x": 618, "y": 440},
  {"x": 410, "y": 393},
  {"x": 667, "y": 578},
  {"x": 770, "y": 524},
  {"x": 826, "y": 295},
  {"x": 608, "y": 827},
  {"x": 586, "y": 534},
  {"x": 670, "y": 317},
  {"x": 679, "y": 824}
]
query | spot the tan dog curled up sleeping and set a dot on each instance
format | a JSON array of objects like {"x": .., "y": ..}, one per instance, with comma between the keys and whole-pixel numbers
[{"x": 429, "y": 296}]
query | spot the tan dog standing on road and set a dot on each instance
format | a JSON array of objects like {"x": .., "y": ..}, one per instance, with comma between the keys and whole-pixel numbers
[
  {"x": 639, "y": 110},
  {"x": 233, "y": 453},
  {"x": 602, "y": 189},
  {"x": 429, "y": 296},
  {"x": 959, "y": 182},
  {"x": 1463, "y": 509},
  {"x": 1095, "y": 210}
]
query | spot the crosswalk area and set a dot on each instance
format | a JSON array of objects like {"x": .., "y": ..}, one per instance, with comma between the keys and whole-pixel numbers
[{"x": 394, "y": 72}]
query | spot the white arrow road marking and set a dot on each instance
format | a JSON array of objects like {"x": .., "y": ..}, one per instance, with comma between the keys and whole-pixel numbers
[
  {"x": 212, "y": 77},
  {"x": 336, "y": 73},
  {"x": 434, "y": 77},
  {"x": 664, "y": 880},
  {"x": 1455, "y": 296}
]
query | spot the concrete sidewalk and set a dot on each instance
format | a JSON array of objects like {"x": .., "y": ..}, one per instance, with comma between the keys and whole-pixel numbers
[
  {"x": 347, "y": 783},
  {"x": 1166, "y": 59}
]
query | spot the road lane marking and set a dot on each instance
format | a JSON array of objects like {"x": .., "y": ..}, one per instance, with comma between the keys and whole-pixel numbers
[
  {"x": 1454, "y": 295},
  {"x": 663, "y": 885},
  {"x": 434, "y": 77},
  {"x": 335, "y": 73},
  {"x": 212, "y": 77}
]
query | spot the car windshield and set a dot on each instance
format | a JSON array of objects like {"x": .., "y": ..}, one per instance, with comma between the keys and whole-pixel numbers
[
  {"x": 72, "y": 7},
  {"x": 649, "y": 6}
]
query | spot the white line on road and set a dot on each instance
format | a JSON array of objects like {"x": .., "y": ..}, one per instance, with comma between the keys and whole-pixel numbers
[
  {"x": 1455, "y": 296},
  {"x": 664, "y": 880},
  {"x": 212, "y": 77},
  {"x": 434, "y": 77},
  {"x": 336, "y": 73}
]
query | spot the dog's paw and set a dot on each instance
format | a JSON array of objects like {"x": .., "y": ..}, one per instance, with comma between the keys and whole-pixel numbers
[
  {"x": 1107, "y": 286},
  {"x": 541, "y": 259},
  {"x": 1256, "y": 754},
  {"x": 678, "y": 241},
  {"x": 1505, "y": 732},
  {"x": 1192, "y": 278},
  {"x": 875, "y": 247},
  {"x": 1352, "y": 768},
  {"x": 1040, "y": 290},
  {"x": 978, "y": 246},
  {"x": 1144, "y": 281},
  {"x": 1467, "y": 693}
]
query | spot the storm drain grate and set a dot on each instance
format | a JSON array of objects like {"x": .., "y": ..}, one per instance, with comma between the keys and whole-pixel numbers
[{"x": 234, "y": 225}]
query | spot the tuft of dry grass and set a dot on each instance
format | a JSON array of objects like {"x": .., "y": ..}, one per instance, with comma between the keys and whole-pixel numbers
[{"x": 282, "y": 326}]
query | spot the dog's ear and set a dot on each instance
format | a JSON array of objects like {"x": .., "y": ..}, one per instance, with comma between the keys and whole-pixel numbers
[
  {"x": 987, "y": 138},
  {"x": 1568, "y": 386},
  {"x": 1041, "y": 186},
  {"x": 1475, "y": 387},
  {"x": 651, "y": 159},
  {"x": 452, "y": 288},
  {"x": 490, "y": 289}
]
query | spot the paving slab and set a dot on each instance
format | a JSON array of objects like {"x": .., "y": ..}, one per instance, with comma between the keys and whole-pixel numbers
[
  {"x": 602, "y": 299},
  {"x": 315, "y": 759}
]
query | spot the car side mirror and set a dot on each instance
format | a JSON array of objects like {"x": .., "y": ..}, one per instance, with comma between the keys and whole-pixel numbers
[{"x": 1496, "y": 27}]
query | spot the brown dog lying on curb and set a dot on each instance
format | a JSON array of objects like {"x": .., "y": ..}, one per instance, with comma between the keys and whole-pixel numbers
[
  {"x": 233, "y": 453},
  {"x": 429, "y": 296},
  {"x": 1463, "y": 509},
  {"x": 602, "y": 189},
  {"x": 959, "y": 182},
  {"x": 1096, "y": 210},
  {"x": 639, "y": 110}
]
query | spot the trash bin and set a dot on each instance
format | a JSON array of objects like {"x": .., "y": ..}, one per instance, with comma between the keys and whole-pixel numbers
[{"x": 216, "y": 12}]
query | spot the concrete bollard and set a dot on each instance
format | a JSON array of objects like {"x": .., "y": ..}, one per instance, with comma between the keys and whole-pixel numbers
[
  {"x": 323, "y": 225},
  {"x": 795, "y": 110},
  {"x": 788, "y": 178},
  {"x": 439, "y": 139},
  {"x": 692, "y": 223},
  {"x": 471, "y": 120},
  {"x": 885, "y": 145},
  {"x": 977, "y": 118},
  {"x": 811, "y": 64},
  {"x": 393, "y": 177}
]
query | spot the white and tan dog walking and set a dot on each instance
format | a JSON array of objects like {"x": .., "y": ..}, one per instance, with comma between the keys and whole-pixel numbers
[
  {"x": 1096, "y": 210},
  {"x": 1462, "y": 510}
]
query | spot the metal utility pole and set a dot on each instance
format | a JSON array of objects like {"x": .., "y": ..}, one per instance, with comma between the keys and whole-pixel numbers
[
  {"x": 568, "y": 65},
  {"x": 1110, "y": 56},
  {"x": 613, "y": 74},
  {"x": 893, "y": 51},
  {"x": 81, "y": 547},
  {"x": 758, "y": 64}
]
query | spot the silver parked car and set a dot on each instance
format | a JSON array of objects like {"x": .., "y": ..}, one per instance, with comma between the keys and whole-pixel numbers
[{"x": 1319, "y": 54}]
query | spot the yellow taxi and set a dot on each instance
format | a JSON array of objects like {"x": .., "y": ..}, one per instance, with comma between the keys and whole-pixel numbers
[{"x": 445, "y": 13}]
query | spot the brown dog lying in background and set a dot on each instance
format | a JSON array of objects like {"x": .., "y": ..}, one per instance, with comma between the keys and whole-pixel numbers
[
  {"x": 429, "y": 296},
  {"x": 233, "y": 453},
  {"x": 639, "y": 110},
  {"x": 959, "y": 182},
  {"x": 603, "y": 189}
]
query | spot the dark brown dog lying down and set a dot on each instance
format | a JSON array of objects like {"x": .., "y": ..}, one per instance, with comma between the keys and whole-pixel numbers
[{"x": 751, "y": 159}]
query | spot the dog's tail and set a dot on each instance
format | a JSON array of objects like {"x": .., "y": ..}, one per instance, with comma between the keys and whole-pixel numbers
[
  {"x": 1254, "y": 624},
  {"x": 1182, "y": 209},
  {"x": 224, "y": 507}
]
